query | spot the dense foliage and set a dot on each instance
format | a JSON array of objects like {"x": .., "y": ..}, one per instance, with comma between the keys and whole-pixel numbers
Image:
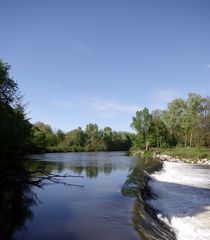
[
  {"x": 15, "y": 128},
  {"x": 184, "y": 123},
  {"x": 91, "y": 139},
  {"x": 18, "y": 136}
]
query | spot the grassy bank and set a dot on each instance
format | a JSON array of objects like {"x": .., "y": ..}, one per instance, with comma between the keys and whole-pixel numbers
[
  {"x": 194, "y": 154},
  {"x": 135, "y": 151}
]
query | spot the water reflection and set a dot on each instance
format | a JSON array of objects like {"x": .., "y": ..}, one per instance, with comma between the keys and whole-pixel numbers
[
  {"x": 144, "y": 219},
  {"x": 17, "y": 182},
  {"x": 90, "y": 171},
  {"x": 87, "y": 164},
  {"x": 16, "y": 199},
  {"x": 117, "y": 210},
  {"x": 17, "y": 196}
]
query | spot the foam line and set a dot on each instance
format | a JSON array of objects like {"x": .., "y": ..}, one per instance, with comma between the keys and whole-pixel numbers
[{"x": 183, "y": 199}]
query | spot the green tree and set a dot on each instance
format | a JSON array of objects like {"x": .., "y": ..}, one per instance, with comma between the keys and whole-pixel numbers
[
  {"x": 191, "y": 116},
  {"x": 161, "y": 135},
  {"x": 50, "y": 137},
  {"x": 204, "y": 124},
  {"x": 75, "y": 139},
  {"x": 142, "y": 124},
  {"x": 172, "y": 118},
  {"x": 38, "y": 140},
  {"x": 15, "y": 128},
  {"x": 92, "y": 132},
  {"x": 60, "y": 136},
  {"x": 9, "y": 91},
  {"x": 94, "y": 138},
  {"x": 107, "y": 138}
]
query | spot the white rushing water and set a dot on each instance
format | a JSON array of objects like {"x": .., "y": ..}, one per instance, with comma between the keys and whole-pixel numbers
[{"x": 183, "y": 199}]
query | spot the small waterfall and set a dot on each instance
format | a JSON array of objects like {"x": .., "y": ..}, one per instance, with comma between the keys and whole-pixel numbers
[
  {"x": 145, "y": 217},
  {"x": 182, "y": 199}
]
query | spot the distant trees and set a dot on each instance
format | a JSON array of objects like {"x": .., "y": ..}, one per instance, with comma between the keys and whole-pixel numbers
[
  {"x": 18, "y": 136},
  {"x": 94, "y": 138},
  {"x": 73, "y": 141},
  {"x": 15, "y": 129},
  {"x": 184, "y": 122},
  {"x": 43, "y": 137},
  {"x": 91, "y": 139}
]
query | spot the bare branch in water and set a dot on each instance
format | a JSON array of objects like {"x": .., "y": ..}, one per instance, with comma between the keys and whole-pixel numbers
[{"x": 43, "y": 178}]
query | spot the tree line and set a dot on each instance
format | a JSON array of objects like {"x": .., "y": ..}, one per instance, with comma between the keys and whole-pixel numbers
[
  {"x": 78, "y": 140},
  {"x": 184, "y": 123},
  {"x": 18, "y": 136}
]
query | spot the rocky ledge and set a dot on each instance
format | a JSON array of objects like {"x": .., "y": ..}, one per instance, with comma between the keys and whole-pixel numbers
[{"x": 168, "y": 158}]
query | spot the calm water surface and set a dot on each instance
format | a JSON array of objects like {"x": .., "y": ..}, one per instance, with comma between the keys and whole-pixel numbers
[
  {"x": 110, "y": 198},
  {"x": 106, "y": 198},
  {"x": 101, "y": 207}
]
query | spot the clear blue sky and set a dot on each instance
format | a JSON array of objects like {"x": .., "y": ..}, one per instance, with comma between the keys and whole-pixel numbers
[{"x": 100, "y": 60}]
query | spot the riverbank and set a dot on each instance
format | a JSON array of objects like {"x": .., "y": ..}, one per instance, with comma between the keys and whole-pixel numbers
[
  {"x": 191, "y": 155},
  {"x": 168, "y": 158}
]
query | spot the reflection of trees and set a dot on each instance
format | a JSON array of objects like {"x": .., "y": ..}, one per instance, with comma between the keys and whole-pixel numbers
[
  {"x": 91, "y": 171},
  {"x": 137, "y": 175},
  {"x": 77, "y": 169},
  {"x": 107, "y": 169},
  {"x": 136, "y": 179},
  {"x": 16, "y": 198},
  {"x": 60, "y": 166},
  {"x": 16, "y": 195},
  {"x": 144, "y": 219},
  {"x": 146, "y": 223}
]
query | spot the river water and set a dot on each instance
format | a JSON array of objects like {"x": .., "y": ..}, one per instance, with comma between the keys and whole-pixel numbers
[
  {"x": 183, "y": 199},
  {"x": 110, "y": 197}
]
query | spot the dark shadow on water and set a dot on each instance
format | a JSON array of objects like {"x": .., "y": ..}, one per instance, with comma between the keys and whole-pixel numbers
[
  {"x": 144, "y": 219},
  {"x": 16, "y": 199},
  {"x": 17, "y": 182}
]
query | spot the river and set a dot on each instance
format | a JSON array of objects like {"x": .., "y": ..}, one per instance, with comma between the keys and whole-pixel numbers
[
  {"x": 108, "y": 197},
  {"x": 183, "y": 199}
]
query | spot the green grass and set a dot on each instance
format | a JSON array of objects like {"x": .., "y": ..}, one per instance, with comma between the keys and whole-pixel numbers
[{"x": 188, "y": 153}]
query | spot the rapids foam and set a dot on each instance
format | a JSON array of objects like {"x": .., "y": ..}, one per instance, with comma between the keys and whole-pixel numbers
[{"x": 182, "y": 198}]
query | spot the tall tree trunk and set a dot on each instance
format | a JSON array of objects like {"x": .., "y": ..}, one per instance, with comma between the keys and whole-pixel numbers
[
  {"x": 191, "y": 137},
  {"x": 147, "y": 145},
  {"x": 185, "y": 141}
]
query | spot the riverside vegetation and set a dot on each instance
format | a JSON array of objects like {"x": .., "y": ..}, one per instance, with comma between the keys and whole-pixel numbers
[
  {"x": 18, "y": 136},
  {"x": 182, "y": 130},
  {"x": 184, "y": 124}
]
